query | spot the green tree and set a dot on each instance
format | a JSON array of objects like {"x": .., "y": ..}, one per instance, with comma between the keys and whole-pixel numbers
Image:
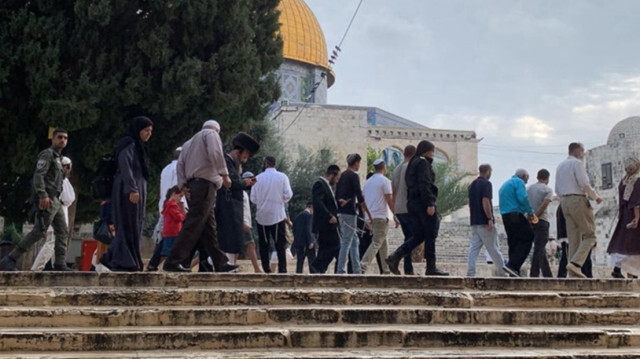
[
  {"x": 302, "y": 172},
  {"x": 452, "y": 189},
  {"x": 86, "y": 65},
  {"x": 372, "y": 155}
]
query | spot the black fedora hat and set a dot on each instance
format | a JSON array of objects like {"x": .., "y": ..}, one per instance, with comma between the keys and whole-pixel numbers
[{"x": 246, "y": 142}]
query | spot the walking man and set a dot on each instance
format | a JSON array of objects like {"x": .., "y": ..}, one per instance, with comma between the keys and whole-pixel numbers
[
  {"x": 483, "y": 225},
  {"x": 540, "y": 196},
  {"x": 516, "y": 213},
  {"x": 379, "y": 197},
  {"x": 349, "y": 196},
  {"x": 304, "y": 241},
  {"x": 47, "y": 181},
  {"x": 270, "y": 193},
  {"x": 67, "y": 197},
  {"x": 399, "y": 187},
  {"x": 230, "y": 201},
  {"x": 422, "y": 194},
  {"x": 574, "y": 190},
  {"x": 201, "y": 171},
  {"x": 325, "y": 219}
]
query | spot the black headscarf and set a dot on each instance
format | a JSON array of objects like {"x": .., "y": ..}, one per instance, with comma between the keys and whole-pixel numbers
[{"x": 132, "y": 135}]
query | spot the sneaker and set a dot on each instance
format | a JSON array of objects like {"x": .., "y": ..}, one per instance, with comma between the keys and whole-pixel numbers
[
  {"x": 575, "y": 270},
  {"x": 512, "y": 273},
  {"x": 61, "y": 268},
  {"x": 101, "y": 268}
]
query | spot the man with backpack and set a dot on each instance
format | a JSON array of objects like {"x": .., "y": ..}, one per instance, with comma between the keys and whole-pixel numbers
[{"x": 47, "y": 182}]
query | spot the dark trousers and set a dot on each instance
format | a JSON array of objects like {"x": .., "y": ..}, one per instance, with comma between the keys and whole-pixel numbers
[
  {"x": 301, "y": 254},
  {"x": 425, "y": 229},
  {"x": 539, "y": 261},
  {"x": 328, "y": 250},
  {"x": 154, "y": 262},
  {"x": 519, "y": 238},
  {"x": 562, "y": 267},
  {"x": 277, "y": 233},
  {"x": 199, "y": 227},
  {"x": 406, "y": 224}
]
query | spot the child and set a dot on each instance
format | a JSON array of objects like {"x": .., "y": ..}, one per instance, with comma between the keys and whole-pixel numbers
[{"x": 173, "y": 213}]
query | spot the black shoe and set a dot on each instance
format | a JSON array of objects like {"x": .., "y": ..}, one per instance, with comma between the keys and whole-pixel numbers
[
  {"x": 615, "y": 274},
  {"x": 8, "y": 265},
  {"x": 61, "y": 268},
  {"x": 152, "y": 269},
  {"x": 436, "y": 271},
  {"x": 175, "y": 268},
  {"x": 393, "y": 261},
  {"x": 227, "y": 268},
  {"x": 489, "y": 262},
  {"x": 205, "y": 267}
]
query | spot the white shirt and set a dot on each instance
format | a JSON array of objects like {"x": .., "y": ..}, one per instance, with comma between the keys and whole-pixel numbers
[
  {"x": 168, "y": 179},
  {"x": 374, "y": 191},
  {"x": 270, "y": 194},
  {"x": 572, "y": 178},
  {"x": 246, "y": 212}
]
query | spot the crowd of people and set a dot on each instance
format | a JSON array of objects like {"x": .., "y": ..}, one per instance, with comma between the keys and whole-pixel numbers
[
  {"x": 526, "y": 220},
  {"x": 205, "y": 213}
]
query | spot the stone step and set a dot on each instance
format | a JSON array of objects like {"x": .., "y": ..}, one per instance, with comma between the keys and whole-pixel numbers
[
  {"x": 384, "y": 353},
  {"x": 345, "y": 336},
  {"x": 61, "y": 317},
  {"x": 171, "y": 296},
  {"x": 125, "y": 280}
]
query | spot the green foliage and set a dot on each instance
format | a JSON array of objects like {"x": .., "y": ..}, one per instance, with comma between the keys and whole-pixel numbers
[
  {"x": 305, "y": 172},
  {"x": 452, "y": 191},
  {"x": 372, "y": 155},
  {"x": 87, "y": 65},
  {"x": 302, "y": 172}
]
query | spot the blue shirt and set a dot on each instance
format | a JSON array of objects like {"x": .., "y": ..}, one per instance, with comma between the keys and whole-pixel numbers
[{"x": 513, "y": 197}]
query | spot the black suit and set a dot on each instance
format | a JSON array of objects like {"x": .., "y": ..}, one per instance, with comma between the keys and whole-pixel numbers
[{"x": 325, "y": 207}]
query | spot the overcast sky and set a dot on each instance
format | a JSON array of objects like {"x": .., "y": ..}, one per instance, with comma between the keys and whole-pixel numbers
[{"x": 528, "y": 76}]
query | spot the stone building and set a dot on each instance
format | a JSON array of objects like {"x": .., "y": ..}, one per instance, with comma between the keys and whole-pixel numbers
[
  {"x": 606, "y": 169},
  {"x": 303, "y": 116}
]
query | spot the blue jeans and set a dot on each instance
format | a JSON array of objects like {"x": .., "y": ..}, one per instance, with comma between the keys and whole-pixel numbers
[
  {"x": 481, "y": 236},
  {"x": 407, "y": 230},
  {"x": 349, "y": 244}
]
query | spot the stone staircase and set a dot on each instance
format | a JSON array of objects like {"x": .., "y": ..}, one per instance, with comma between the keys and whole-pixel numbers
[{"x": 120, "y": 315}]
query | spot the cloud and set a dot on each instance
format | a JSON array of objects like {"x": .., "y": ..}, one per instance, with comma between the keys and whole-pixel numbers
[{"x": 531, "y": 128}]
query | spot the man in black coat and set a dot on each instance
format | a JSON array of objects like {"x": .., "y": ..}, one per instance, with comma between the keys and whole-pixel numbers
[
  {"x": 304, "y": 241},
  {"x": 422, "y": 194},
  {"x": 325, "y": 219}
]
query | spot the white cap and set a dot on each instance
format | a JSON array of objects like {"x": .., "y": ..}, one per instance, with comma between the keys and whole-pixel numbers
[
  {"x": 378, "y": 161},
  {"x": 179, "y": 149},
  {"x": 211, "y": 125},
  {"x": 66, "y": 161}
]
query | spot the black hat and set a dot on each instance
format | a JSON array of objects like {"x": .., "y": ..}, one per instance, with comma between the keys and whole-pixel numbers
[{"x": 246, "y": 142}]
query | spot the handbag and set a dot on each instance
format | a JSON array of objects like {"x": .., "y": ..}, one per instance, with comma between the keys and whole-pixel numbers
[{"x": 101, "y": 232}]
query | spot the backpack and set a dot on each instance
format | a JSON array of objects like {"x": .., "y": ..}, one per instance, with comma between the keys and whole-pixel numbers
[{"x": 103, "y": 182}]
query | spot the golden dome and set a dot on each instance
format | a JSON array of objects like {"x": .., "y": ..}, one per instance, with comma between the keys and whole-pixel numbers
[{"x": 302, "y": 36}]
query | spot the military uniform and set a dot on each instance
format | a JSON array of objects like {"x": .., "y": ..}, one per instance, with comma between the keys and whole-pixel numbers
[{"x": 47, "y": 182}]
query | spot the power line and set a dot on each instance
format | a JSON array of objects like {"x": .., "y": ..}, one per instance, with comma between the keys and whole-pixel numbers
[{"x": 350, "y": 22}]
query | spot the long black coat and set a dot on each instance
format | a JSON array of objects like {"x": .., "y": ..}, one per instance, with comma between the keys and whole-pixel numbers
[
  {"x": 324, "y": 207},
  {"x": 229, "y": 210}
]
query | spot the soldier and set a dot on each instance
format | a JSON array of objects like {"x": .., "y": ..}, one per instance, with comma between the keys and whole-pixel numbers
[{"x": 47, "y": 181}]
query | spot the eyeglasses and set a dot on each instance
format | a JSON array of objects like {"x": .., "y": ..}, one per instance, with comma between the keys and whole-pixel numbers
[{"x": 66, "y": 166}]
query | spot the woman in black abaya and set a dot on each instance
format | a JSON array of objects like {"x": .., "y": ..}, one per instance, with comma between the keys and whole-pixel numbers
[{"x": 129, "y": 197}]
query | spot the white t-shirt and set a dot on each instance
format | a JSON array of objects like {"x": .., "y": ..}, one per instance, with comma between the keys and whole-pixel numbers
[{"x": 374, "y": 191}]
